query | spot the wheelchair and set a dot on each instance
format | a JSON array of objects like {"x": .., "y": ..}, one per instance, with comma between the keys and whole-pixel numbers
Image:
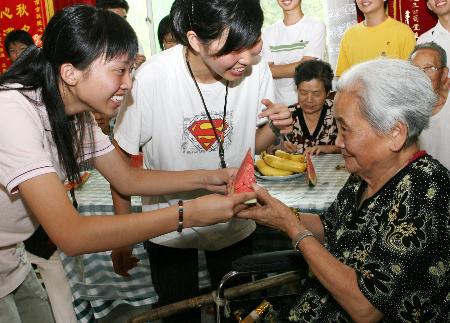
[{"x": 289, "y": 263}]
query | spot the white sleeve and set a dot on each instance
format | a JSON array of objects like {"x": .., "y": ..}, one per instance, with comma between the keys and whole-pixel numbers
[
  {"x": 316, "y": 46},
  {"x": 22, "y": 147},
  {"x": 266, "y": 88},
  {"x": 133, "y": 125},
  {"x": 266, "y": 52}
]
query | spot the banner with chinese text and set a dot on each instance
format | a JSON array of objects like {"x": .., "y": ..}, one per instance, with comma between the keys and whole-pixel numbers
[
  {"x": 414, "y": 13},
  {"x": 29, "y": 15}
]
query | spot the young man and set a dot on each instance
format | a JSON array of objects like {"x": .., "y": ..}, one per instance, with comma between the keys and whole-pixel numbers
[
  {"x": 166, "y": 39},
  {"x": 432, "y": 59},
  {"x": 289, "y": 42},
  {"x": 440, "y": 34},
  {"x": 121, "y": 8},
  {"x": 376, "y": 36}
]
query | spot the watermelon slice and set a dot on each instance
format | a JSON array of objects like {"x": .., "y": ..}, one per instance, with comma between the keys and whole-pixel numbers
[
  {"x": 245, "y": 176},
  {"x": 83, "y": 179},
  {"x": 311, "y": 176}
]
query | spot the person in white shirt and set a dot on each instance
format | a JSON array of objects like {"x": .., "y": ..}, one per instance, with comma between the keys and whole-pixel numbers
[
  {"x": 47, "y": 133},
  {"x": 440, "y": 34},
  {"x": 200, "y": 104},
  {"x": 289, "y": 42},
  {"x": 432, "y": 59}
]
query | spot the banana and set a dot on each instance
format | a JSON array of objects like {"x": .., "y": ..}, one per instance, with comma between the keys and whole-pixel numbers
[
  {"x": 296, "y": 157},
  {"x": 285, "y": 164},
  {"x": 266, "y": 170}
]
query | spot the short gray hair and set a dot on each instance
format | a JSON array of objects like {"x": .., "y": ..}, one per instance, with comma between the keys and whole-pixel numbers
[
  {"x": 433, "y": 46},
  {"x": 389, "y": 91}
]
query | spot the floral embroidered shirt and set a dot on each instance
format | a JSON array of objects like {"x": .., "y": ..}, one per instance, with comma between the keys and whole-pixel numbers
[
  {"x": 324, "y": 134},
  {"x": 398, "y": 241}
]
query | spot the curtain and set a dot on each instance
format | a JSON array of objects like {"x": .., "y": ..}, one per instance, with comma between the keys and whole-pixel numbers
[
  {"x": 340, "y": 15},
  {"x": 59, "y": 4}
]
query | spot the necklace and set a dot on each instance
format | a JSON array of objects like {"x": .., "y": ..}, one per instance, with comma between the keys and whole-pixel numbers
[{"x": 220, "y": 139}]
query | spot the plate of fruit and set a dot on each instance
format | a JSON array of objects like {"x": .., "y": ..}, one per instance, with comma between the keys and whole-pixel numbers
[{"x": 280, "y": 166}]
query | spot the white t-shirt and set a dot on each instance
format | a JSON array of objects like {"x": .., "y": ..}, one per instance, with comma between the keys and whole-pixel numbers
[
  {"x": 435, "y": 139},
  {"x": 440, "y": 36},
  {"x": 27, "y": 150},
  {"x": 287, "y": 44},
  {"x": 164, "y": 114}
]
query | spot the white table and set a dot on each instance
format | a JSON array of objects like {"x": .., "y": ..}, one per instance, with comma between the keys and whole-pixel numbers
[
  {"x": 97, "y": 289},
  {"x": 331, "y": 177}
]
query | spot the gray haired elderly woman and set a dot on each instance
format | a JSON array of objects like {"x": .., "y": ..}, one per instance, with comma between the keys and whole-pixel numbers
[{"x": 381, "y": 251}]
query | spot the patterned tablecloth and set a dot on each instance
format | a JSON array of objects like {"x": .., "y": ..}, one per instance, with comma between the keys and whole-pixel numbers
[{"x": 97, "y": 289}]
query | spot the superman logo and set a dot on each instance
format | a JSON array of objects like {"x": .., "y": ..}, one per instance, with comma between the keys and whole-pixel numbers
[{"x": 203, "y": 132}]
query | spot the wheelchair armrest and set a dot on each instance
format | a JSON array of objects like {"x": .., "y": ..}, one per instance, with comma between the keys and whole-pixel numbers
[{"x": 270, "y": 262}]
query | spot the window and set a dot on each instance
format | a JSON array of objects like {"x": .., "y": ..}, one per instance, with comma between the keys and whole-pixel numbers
[{"x": 145, "y": 15}]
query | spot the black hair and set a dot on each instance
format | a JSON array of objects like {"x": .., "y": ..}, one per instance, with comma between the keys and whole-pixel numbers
[
  {"x": 17, "y": 36},
  {"x": 164, "y": 28},
  {"x": 209, "y": 19},
  {"x": 78, "y": 35},
  {"x": 314, "y": 69},
  {"x": 112, "y": 4}
]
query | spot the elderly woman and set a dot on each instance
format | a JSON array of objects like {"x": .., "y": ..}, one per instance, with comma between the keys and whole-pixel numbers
[
  {"x": 315, "y": 129},
  {"x": 381, "y": 251}
]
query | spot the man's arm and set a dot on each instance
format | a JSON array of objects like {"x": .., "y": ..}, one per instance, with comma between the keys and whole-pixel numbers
[{"x": 287, "y": 70}]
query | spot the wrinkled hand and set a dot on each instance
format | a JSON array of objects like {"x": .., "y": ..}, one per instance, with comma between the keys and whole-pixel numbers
[
  {"x": 321, "y": 149},
  {"x": 123, "y": 260},
  {"x": 214, "y": 208},
  {"x": 279, "y": 114},
  {"x": 217, "y": 181},
  {"x": 271, "y": 212},
  {"x": 289, "y": 147}
]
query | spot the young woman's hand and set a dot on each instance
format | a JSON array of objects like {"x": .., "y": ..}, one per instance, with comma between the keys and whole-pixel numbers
[
  {"x": 214, "y": 208},
  {"x": 123, "y": 260},
  {"x": 279, "y": 114},
  {"x": 217, "y": 180}
]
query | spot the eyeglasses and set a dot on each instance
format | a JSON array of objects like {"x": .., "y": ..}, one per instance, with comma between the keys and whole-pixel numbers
[{"x": 430, "y": 69}]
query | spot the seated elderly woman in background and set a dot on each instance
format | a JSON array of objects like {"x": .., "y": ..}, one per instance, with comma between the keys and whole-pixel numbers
[
  {"x": 315, "y": 129},
  {"x": 382, "y": 249}
]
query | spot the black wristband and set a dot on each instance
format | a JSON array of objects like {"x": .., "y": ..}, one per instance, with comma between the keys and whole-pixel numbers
[{"x": 180, "y": 216}]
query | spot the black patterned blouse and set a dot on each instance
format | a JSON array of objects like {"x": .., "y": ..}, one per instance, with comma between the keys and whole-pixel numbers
[
  {"x": 398, "y": 241},
  {"x": 324, "y": 134}
]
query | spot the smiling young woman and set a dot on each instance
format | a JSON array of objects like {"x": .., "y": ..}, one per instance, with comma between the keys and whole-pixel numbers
[
  {"x": 198, "y": 105},
  {"x": 46, "y": 132}
]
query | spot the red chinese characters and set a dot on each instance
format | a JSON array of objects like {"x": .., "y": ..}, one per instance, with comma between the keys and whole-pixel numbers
[{"x": 28, "y": 15}]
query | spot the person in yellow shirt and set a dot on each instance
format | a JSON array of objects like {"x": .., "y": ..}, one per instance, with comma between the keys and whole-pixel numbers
[{"x": 377, "y": 36}]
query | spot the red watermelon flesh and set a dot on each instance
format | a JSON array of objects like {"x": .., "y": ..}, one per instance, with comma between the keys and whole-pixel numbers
[
  {"x": 245, "y": 176},
  {"x": 310, "y": 171},
  {"x": 83, "y": 179}
]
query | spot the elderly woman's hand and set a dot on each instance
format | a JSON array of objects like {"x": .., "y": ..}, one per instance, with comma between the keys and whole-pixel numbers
[
  {"x": 273, "y": 213},
  {"x": 279, "y": 114},
  {"x": 322, "y": 149},
  {"x": 289, "y": 147}
]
